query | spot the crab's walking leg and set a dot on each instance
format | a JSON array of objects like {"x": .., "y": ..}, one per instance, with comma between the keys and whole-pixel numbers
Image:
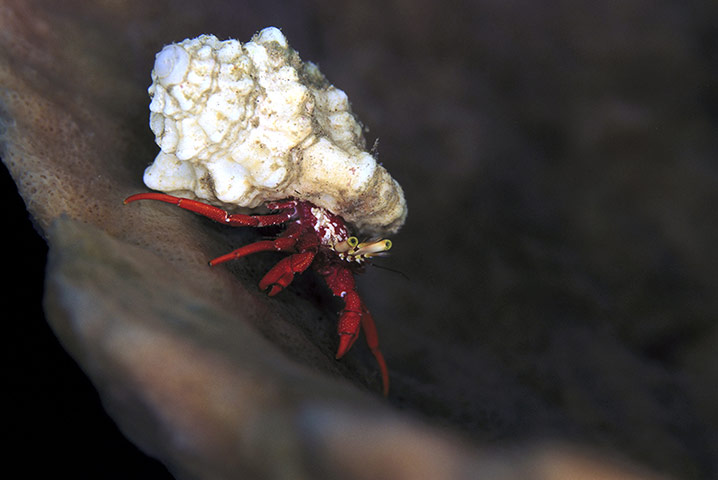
[
  {"x": 354, "y": 316},
  {"x": 372, "y": 339},
  {"x": 283, "y": 272},
  {"x": 217, "y": 214},
  {"x": 281, "y": 244}
]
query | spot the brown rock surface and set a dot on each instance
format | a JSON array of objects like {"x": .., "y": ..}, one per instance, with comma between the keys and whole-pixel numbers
[{"x": 559, "y": 165}]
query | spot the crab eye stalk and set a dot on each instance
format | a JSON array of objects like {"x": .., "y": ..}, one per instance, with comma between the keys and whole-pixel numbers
[
  {"x": 369, "y": 249},
  {"x": 346, "y": 245}
]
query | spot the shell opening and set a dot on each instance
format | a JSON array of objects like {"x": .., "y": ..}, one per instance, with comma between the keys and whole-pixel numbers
[{"x": 171, "y": 64}]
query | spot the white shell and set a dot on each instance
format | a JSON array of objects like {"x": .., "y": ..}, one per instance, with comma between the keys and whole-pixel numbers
[{"x": 240, "y": 125}]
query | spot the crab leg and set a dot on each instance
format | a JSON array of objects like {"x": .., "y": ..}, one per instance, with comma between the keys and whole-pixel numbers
[
  {"x": 354, "y": 316},
  {"x": 281, "y": 244},
  {"x": 217, "y": 214},
  {"x": 372, "y": 340},
  {"x": 283, "y": 272}
]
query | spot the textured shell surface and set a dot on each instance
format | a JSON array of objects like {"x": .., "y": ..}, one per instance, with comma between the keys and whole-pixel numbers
[{"x": 243, "y": 124}]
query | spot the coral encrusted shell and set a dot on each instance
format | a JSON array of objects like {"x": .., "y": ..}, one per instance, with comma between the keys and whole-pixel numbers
[{"x": 243, "y": 124}]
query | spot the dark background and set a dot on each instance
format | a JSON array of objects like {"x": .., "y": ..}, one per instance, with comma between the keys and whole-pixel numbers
[{"x": 559, "y": 161}]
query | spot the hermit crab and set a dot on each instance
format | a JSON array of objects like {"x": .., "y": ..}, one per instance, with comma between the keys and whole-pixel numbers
[{"x": 244, "y": 125}]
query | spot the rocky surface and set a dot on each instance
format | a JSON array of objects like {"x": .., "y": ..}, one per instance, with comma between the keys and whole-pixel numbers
[{"x": 559, "y": 264}]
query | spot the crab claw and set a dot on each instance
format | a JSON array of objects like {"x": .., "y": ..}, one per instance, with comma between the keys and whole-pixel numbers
[
  {"x": 283, "y": 272},
  {"x": 354, "y": 317},
  {"x": 348, "y": 330}
]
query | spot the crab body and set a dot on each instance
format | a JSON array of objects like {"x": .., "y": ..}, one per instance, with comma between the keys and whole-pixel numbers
[{"x": 314, "y": 237}]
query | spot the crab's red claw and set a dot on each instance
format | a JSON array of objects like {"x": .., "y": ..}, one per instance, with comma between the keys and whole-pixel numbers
[
  {"x": 350, "y": 322},
  {"x": 283, "y": 272},
  {"x": 354, "y": 317},
  {"x": 348, "y": 330}
]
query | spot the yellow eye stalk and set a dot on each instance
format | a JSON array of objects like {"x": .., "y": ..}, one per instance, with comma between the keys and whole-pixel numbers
[{"x": 351, "y": 250}]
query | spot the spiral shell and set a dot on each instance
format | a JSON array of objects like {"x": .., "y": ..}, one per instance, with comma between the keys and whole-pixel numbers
[{"x": 243, "y": 124}]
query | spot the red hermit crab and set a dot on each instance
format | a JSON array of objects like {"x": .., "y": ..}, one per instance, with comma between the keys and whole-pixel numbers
[
  {"x": 315, "y": 237},
  {"x": 241, "y": 125}
]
